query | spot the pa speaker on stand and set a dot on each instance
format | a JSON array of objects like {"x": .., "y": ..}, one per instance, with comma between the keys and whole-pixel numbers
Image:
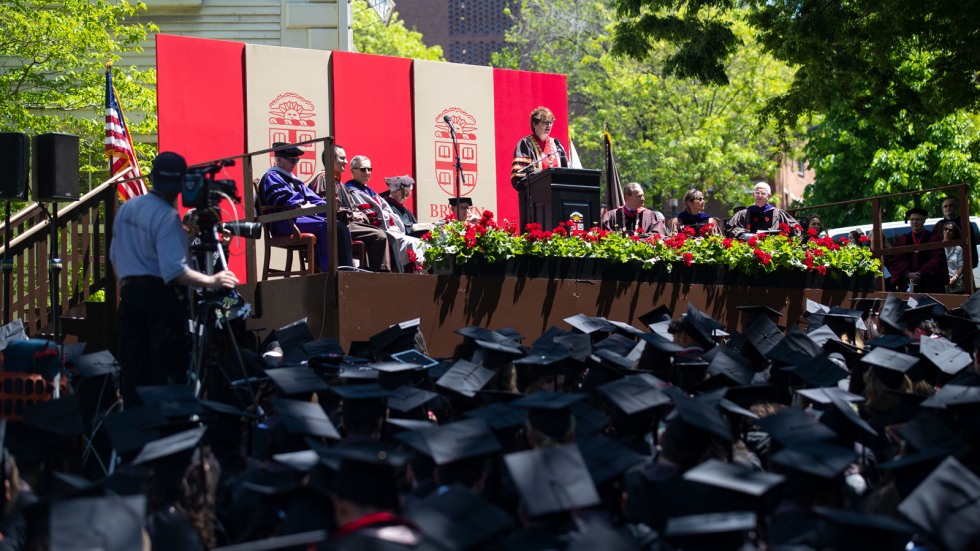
[
  {"x": 55, "y": 178},
  {"x": 15, "y": 152}
]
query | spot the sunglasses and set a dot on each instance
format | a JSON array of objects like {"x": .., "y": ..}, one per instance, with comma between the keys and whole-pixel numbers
[{"x": 364, "y": 169}]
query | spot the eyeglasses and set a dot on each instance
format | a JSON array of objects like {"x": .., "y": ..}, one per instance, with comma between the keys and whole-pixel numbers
[
  {"x": 549, "y": 123},
  {"x": 761, "y": 192},
  {"x": 918, "y": 220},
  {"x": 697, "y": 200},
  {"x": 363, "y": 168}
]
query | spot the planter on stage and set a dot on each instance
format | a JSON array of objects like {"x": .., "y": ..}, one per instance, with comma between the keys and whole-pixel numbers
[{"x": 492, "y": 250}]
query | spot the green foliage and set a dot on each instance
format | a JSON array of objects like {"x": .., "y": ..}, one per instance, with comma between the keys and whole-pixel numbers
[
  {"x": 670, "y": 134},
  {"x": 371, "y": 36},
  {"x": 52, "y": 71}
]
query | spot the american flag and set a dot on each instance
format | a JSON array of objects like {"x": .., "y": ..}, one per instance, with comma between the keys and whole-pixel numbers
[{"x": 119, "y": 144}]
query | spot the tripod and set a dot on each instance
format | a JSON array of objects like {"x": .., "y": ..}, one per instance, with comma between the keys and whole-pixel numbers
[{"x": 212, "y": 338}]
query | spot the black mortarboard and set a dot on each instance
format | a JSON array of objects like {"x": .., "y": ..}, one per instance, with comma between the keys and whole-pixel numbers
[
  {"x": 620, "y": 344},
  {"x": 463, "y": 201},
  {"x": 590, "y": 324},
  {"x": 891, "y": 342},
  {"x": 293, "y": 336},
  {"x": 843, "y": 420},
  {"x": 916, "y": 210},
  {"x": 368, "y": 472},
  {"x": 962, "y": 331},
  {"x": 945, "y": 506},
  {"x": 133, "y": 427},
  {"x": 946, "y": 356},
  {"x": 661, "y": 343},
  {"x": 369, "y": 391},
  {"x": 96, "y": 364},
  {"x": 397, "y": 337},
  {"x": 822, "y": 335},
  {"x": 748, "y": 395},
  {"x": 459, "y": 519},
  {"x": 890, "y": 366},
  {"x": 169, "y": 445},
  {"x": 856, "y": 530},
  {"x": 607, "y": 459},
  {"x": 818, "y": 371},
  {"x": 60, "y": 417},
  {"x": 753, "y": 310},
  {"x": 701, "y": 416},
  {"x": 357, "y": 371},
  {"x": 913, "y": 316},
  {"x": 953, "y": 396},
  {"x": 393, "y": 374},
  {"x": 867, "y": 305},
  {"x": 795, "y": 347},
  {"x": 588, "y": 420},
  {"x": 174, "y": 401},
  {"x": 822, "y": 395},
  {"x": 600, "y": 535},
  {"x": 763, "y": 335},
  {"x": 611, "y": 366},
  {"x": 551, "y": 480},
  {"x": 106, "y": 523},
  {"x": 793, "y": 426},
  {"x": 406, "y": 398},
  {"x": 499, "y": 416},
  {"x": 306, "y": 418},
  {"x": 699, "y": 326},
  {"x": 814, "y": 307},
  {"x": 820, "y": 459},
  {"x": 735, "y": 370},
  {"x": 296, "y": 380},
  {"x": 634, "y": 394},
  {"x": 708, "y": 531},
  {"x": 892, "y": 310},
  {"x": 302, "y": 461},
  {"x": 457, "y": 441},
  {"x": 506, "y": 347},
  {"x": 511, "y": 333},
  {"x": 658, "y": 314},
  {"x": 415, "y": 357},
  {"x": 579, "y": 346},
  {"x": 549, "y": 412},
  {"x": 466, "y": 378},
  {"x": 924, "y": 430},
  {"x": 734, "y": 478},
  {"x": 280, "y": 543}
]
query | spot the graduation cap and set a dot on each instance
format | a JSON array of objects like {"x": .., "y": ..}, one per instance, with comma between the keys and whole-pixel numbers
[
  {"x": 302, "y": 461},
  {"x": 294, "y": 381},
  {"x": 579, "y": 346},
  {"x": 818, "y": 371},
  {"x": 825, "y": 395},
  {"x": 460, "y": 201},
  {"x": 397, "y": 337},
  {"x": 701, "y": 416},
  {"x": 763, "y": 335},
  {"x": 368, "y": 472},
  {"x": 889, "y": 365},
  {"x": 635, "y": 394},
  {"x": 913, "y": 316},
  {"x": 953, "y": 396},
  {"x": 699, "y": 326},
  {"x": 456, "y": 441},
  {"x": 133, "y": 427},
  {"x": 793, "y": 426},
  {"x": 730, "y": 368},
  {"x": 866, "y": 305},
  {"x": 946, "y": 356},
  {"x": 590, "y": 325},
  {"x": 458, "y": 518},
  {"x": 892, "y": 342},
  {"x": 794, "y": 348},
  {"x": 734, "y": 478},
  {"x": 552, "y": 480},
  {"x": 752, "y": 311},
  {"x": 843, "y": 420},
  {"x": 620, "y": 344},
  {"x": 712, "y": 530},
  {"x": 658, "y": 314},
  {"x": 660, "y": 343},
  {"x": 173, "y": 401},
  {"x": 293, "y": 336},
  {"x": 891, "y": 312},
  {"x": 406, "y": 398},
  {"x": 925, "y": 430},
  {"x": 820, "y": 459},
  {"x": 300, "y": 417},
  {"x": 393, "y": 374},
  {"x": 607, "y": 459},
  {"x": 946, "y": 505},
  {"x": 852, "y": 530},
  {"x": 108, "y": 523},
  {"x": 169, "y": 445},
  {"x": 358, "y": 392},
  {"x": 60, "y": 417},
  {"x": 549, "y": 412},
  {"x": 814, "y": 307},
  {"x": 277, "y": 543},
  {"x": 466, "y": 378},
  {"x": 96, "y": 364},
  {"x": 499, "y": 416}
]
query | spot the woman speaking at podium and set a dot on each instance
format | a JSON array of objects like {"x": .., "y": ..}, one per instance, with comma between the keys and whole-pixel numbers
[{"x": 537, "y": 151}]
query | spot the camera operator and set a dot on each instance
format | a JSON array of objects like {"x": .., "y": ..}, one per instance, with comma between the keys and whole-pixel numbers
[{"x": 149, "y": 254}]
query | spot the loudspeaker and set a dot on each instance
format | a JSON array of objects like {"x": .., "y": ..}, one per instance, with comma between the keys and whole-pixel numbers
[
  {"x": 55, "y": 175},
  {"x": 15, "y": 150}
]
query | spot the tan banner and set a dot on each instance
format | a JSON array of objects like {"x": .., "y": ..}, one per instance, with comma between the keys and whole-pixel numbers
[
  {"x": 287, "y": 97},
  {"x": 464, "y": 93}
]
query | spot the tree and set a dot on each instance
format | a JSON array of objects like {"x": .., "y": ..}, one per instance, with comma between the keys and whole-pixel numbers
[
  {"x": 52, "y": 71},
  {"x": 670, "y": 133},
  {"x": 918, "y": 54},
  {"x": 372, "y": 36}
]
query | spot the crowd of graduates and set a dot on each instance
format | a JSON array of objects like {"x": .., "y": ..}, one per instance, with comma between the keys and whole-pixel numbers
[{"x": 854, "y": 427}]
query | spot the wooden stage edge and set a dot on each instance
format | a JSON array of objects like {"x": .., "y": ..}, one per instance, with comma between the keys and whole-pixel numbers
[{"x": 361, "y": 304}]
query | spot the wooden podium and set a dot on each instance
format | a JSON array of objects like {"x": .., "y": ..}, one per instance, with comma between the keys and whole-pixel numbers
[{"x": 560, "y": 194}]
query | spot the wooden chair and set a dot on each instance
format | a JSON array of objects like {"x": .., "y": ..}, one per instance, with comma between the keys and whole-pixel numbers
[{"x": 296, "y": 242}]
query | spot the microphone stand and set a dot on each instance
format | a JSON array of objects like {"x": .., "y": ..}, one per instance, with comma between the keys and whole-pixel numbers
[{"x": 458, "y": 166}]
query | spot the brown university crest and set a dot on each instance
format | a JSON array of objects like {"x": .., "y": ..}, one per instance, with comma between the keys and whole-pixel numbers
[
  {"x": 292, "y": 122},
  {"x": 445, "y": 157}
]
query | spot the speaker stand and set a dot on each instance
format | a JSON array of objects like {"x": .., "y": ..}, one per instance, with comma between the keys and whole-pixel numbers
[
  {"x": 7, "y": 264},
  {"x": 54, "y": 275}
]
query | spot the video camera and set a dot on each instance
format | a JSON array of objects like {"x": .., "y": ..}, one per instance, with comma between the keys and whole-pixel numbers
[{"x": 202, "y": 191}]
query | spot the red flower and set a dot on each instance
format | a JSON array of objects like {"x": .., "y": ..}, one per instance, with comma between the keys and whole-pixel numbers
[
  {"x": 763, "y": 257},
  {"x": 412, "y": 257},
  {"x": 843, "y": 241},
  {"x": 822, "y": 270},
  {"x": 784, "y": 228},
  {"x": 727, "y": 242},
  {"x": 635, "y": 237},
  {"x": 689, "y": 231},
  {"x": 688, "y": 258},
  {"x": 863, "y": 239},
  {"x": 817, "y": 252},
  {"x": 451, "y": 216},
  {"x": 707, "y": 229},
  {"x": 560, "y": 230},
  {"x": 753, "y": 241},
  {"x": 427, "y": 236},
  {"x": 812, "y": 232}
]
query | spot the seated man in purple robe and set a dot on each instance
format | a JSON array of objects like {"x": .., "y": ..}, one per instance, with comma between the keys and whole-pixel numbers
[{"x": 760, "y": 216}]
